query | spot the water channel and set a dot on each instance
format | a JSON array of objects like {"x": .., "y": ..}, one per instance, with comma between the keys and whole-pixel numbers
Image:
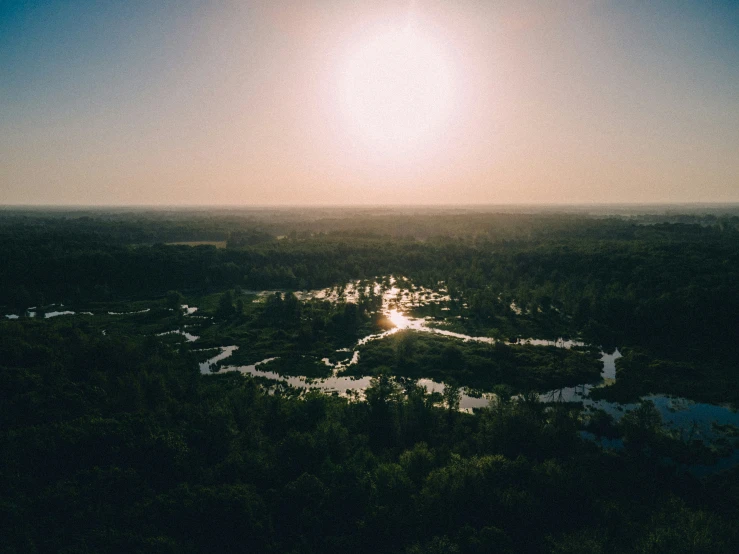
[{"x": 680, "y": 414}]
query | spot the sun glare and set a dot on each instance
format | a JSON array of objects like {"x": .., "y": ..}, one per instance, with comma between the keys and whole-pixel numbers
[{"x": 397, "y": 90}]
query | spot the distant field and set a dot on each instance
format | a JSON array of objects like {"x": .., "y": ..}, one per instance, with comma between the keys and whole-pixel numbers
[{"x": 216, "y": 243}]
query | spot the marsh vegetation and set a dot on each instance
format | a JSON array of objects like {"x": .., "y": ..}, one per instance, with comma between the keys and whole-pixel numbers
[{"x": 328, "y": 382}]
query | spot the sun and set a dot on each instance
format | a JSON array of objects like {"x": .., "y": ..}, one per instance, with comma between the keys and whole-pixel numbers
[{"x": 397, "y": 90}]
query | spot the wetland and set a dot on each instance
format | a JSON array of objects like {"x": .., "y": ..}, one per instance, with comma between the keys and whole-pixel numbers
[{"x": 371, "y": 381}]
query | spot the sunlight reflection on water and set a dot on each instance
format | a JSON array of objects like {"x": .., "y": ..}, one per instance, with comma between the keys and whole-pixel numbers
[{"x": 396, "y": 304}]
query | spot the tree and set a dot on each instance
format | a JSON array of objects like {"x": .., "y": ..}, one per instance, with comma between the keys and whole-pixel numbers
[
  {"x": 452, "y": 396},
  {"x": 641, "y": 425},
  {"x": 174, "y": 300},
  {"x": 382, "y": 390},
  {"x": 452, "y": 357},
  {"x": 225, "y": 305},
  {"x": 405, "y": 347}
]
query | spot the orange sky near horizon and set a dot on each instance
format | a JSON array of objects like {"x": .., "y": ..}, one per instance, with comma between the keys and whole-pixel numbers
[{"x": 284, "y": 103}]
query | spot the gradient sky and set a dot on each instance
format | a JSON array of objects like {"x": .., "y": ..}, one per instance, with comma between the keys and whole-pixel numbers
[{"x": 262, "y": 103}]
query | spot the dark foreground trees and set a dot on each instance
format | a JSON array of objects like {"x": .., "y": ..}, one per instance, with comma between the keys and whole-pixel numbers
[{"x": 117, "y": 444}]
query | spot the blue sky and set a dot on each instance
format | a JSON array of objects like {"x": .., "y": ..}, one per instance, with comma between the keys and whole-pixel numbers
[{"x": 239, "y": 102}]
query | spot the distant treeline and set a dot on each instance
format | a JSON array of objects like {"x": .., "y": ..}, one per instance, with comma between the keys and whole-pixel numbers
[
  {"x": 615, "y": 281},
  {"x": 139, "y": 226}
]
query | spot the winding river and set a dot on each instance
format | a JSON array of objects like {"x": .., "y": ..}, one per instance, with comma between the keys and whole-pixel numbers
[
  {"x": 700, "y": 420},
  {"x": 682, "y": 415}
]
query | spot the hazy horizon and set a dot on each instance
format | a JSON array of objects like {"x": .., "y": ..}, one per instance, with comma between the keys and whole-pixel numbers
[
  {"x": 418, "y": 103},
  {"x": 611, "y": 208}
]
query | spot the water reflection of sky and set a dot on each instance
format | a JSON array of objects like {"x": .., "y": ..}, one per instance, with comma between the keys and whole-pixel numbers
[{"x": 679, "y": 414}]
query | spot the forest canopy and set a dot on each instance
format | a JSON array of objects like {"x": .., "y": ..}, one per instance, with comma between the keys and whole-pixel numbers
[{"x": 113, "y": 437}]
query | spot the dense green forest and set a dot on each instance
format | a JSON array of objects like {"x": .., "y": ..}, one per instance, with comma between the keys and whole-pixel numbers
[
  {"x": 112, "y": 439},
  {"x": 117, "y": 443},
  {"x": 668, "y": 289}
]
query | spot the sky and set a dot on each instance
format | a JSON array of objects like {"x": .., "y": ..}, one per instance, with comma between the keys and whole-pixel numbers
[{"x": 344, "y": 102}]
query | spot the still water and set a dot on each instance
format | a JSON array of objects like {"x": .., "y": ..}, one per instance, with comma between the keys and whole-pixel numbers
[
  {"x": 701, "y": 420},
  {"x": 679, "y": 414}
]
